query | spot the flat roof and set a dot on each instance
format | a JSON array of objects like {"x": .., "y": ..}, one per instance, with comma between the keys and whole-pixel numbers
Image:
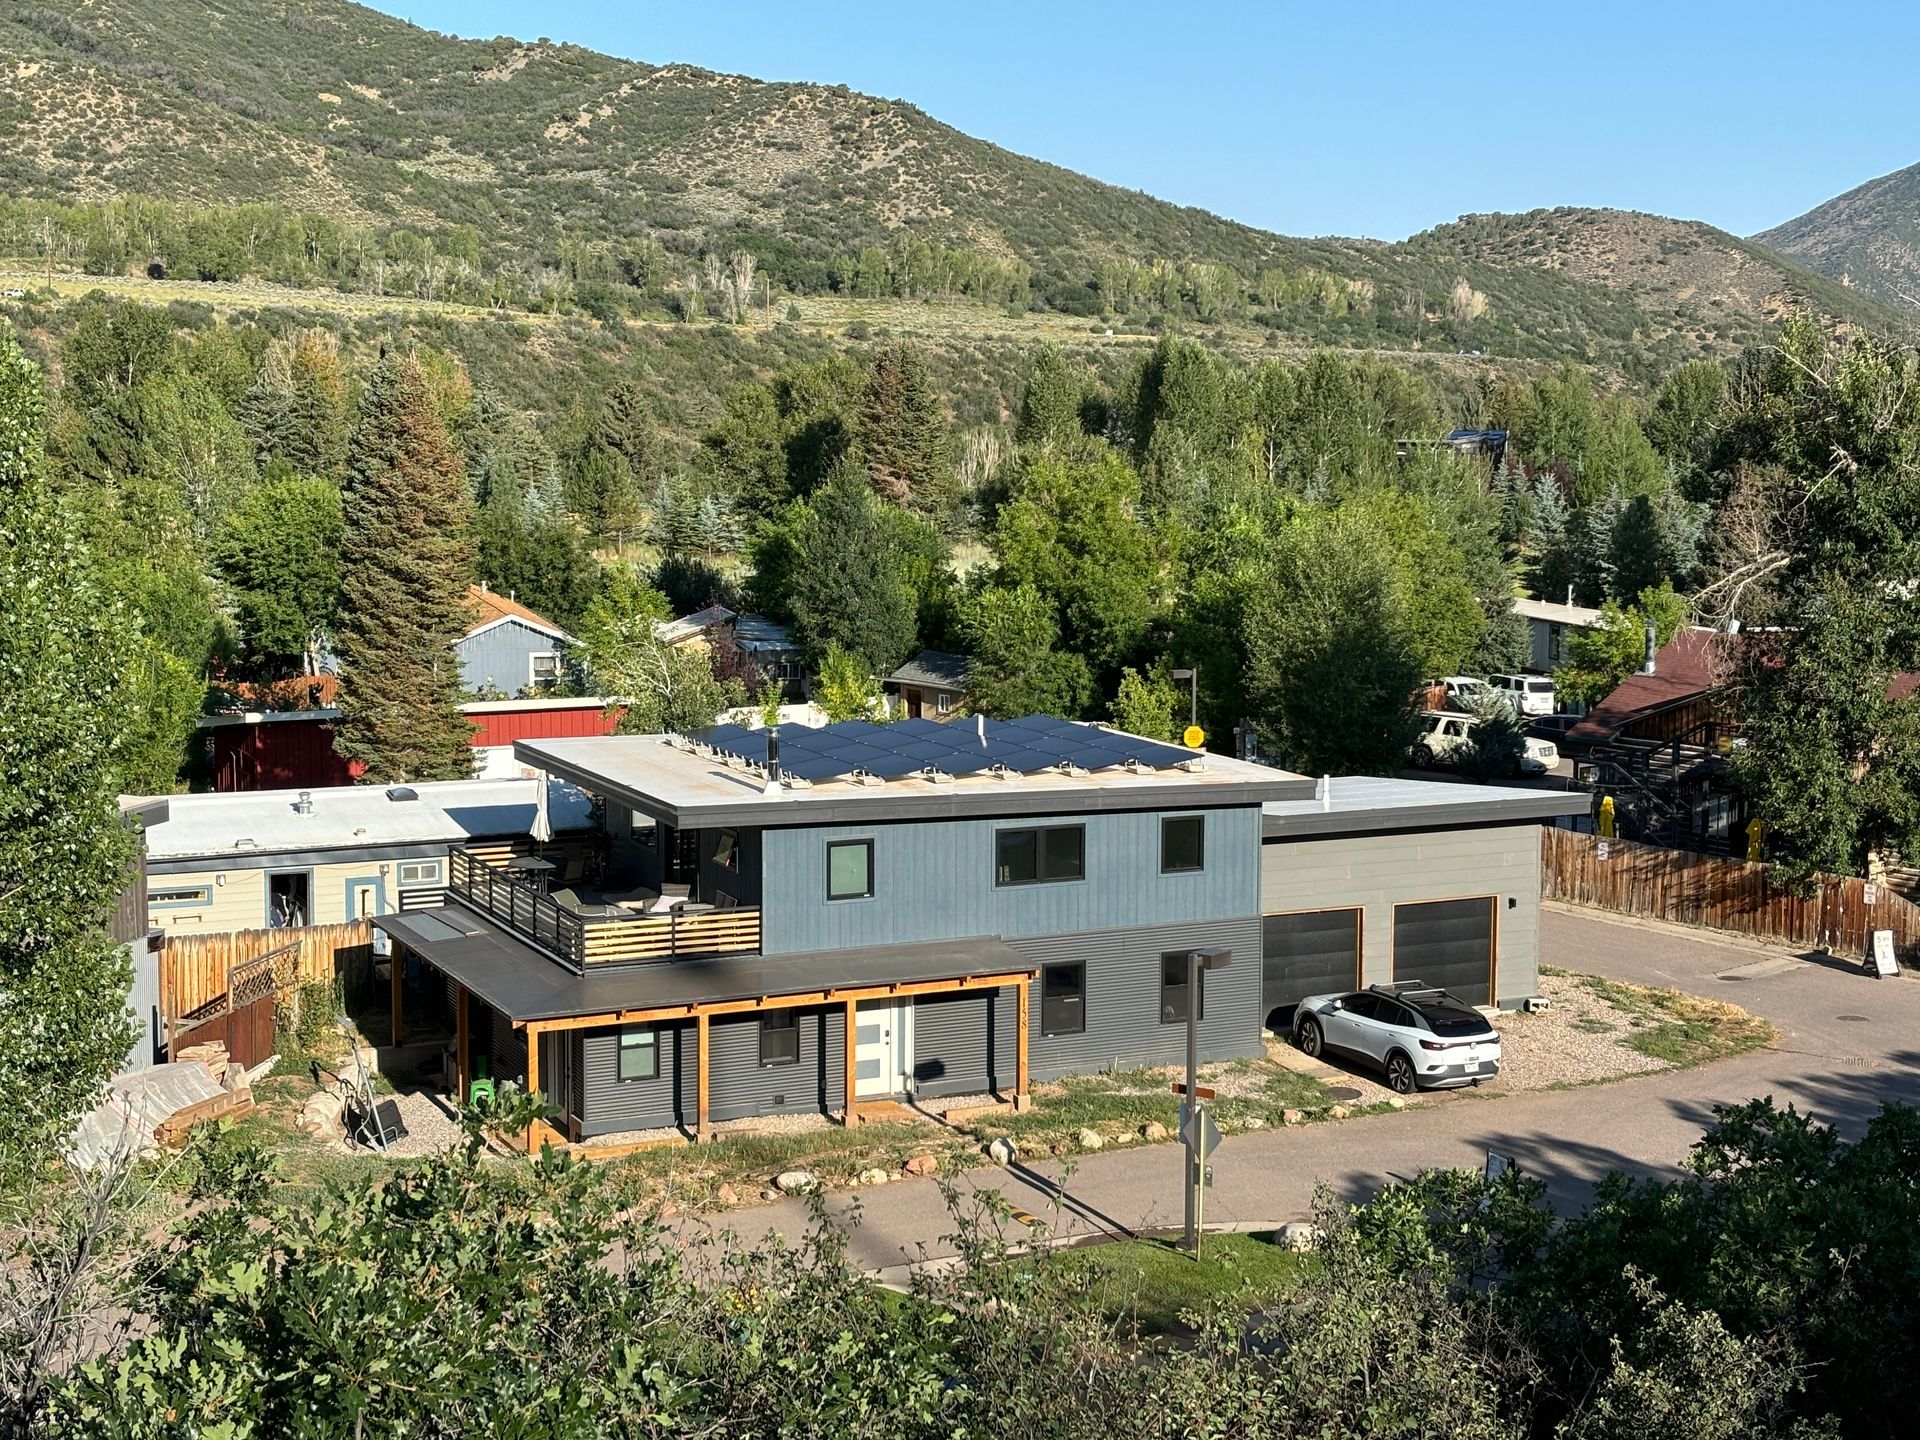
[
  {"x": 524, "y": 984},
  {"x": 267, "y": 822},
  {"x": 1556, "y": 612},
  {"x": 689, "y": 788},
  {"x": 1359, "y": 804}
]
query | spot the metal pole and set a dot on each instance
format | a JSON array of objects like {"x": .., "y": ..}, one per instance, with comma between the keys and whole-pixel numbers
[
  {"x": 1193, "y": 1103},
  {"x": 1199, "y": 1187},
  {"x": 1193, "y": 710}
]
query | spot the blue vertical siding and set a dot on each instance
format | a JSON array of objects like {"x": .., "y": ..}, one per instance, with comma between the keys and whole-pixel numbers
[{"x": 502, "y": 658}]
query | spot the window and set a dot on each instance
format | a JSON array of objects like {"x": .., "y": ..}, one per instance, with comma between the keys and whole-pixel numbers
[
  {"x": 726, "y": 852},
  {"x": 288, "y": 896},
  {"x": 644, "y": 829},
  {"x": 780, "y": 1038},
  {"x": 850, "y": 870},
  {"x": 639, "y": 1053},
  {"x": 419, "y": 872},
  {"x": 1063, "y": 999},
  {"x": 544, "y": 667},
  {"x": 1183, "y": 844},
  {"x": 942, "y": 703},
  {"x": 1553, "y": 642},
  {"x": 1029, "y": 857},
  {"x": 181, "y": 895},
  {"x": 1173, "y": 988}
]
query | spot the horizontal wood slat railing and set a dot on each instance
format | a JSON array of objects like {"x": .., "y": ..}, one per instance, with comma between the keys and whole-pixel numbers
[
  {"x": 524, "y": 909},
  {"x": 1720, "y": 894}
]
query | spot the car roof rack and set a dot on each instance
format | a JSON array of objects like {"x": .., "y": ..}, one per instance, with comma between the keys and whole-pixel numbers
[{"x": 1408, "y": 989}]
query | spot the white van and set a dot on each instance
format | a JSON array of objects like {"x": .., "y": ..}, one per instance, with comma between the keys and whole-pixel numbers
[{"x": 1528, "y": 694}]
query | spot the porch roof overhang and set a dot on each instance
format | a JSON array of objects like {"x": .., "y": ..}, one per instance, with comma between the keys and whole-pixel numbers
[{"x": 525, "y": 985}]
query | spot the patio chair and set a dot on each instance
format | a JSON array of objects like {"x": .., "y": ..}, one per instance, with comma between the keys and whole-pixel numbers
[{"x": 482, "y": 1083}]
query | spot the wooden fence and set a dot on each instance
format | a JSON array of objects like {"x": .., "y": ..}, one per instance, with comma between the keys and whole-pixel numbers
[
  {"x": 241, "y": 1018},
  {"x": 195, "y": 969},
  {"x": 1720, "y": 894}
]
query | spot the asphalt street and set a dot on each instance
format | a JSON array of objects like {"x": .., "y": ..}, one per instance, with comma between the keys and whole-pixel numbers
[{"x": 1848, "y": 1043}]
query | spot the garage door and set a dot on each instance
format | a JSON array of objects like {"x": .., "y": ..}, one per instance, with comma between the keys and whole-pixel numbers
[
  {"x": 1448, "y": 943},
  {"x": 1310, "y": 953}
]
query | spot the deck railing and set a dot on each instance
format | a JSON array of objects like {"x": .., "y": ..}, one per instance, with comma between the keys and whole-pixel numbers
[{"x": 522, "y": 907}]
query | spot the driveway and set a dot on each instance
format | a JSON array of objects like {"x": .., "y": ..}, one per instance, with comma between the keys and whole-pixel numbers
[{"x": 1847, "y": 1045}]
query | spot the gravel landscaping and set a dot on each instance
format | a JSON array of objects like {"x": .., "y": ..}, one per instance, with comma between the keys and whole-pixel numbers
[{"x": 1580, "y": 1040}]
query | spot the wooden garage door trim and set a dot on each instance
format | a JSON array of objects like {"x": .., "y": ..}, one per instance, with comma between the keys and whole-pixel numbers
[
  {"x": 1359, "y": 912},
  {"x": 1493, "y": 938}
]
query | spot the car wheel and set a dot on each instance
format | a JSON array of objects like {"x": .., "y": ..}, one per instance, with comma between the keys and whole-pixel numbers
[
  {"x": 1400, "y": 1077},
  {"x": 1306, "y": 1034},
  {"x": 1422, "y": 757}
]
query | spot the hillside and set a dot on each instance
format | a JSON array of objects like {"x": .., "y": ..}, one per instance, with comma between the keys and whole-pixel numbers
[
  {"x": 1867, "y": 239},
  {"x": 539, "y": 176}
]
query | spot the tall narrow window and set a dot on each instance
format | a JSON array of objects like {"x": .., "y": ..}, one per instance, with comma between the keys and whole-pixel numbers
[
  {"x": 1183, "y": 844},
  {"x": 780, "y": 1038},
  {"x": 1173, "y": 989},
  {"x": 639, "y": 1053},
  {"x": 1063, "y": 999},
  {"x": 849, "y": 869}
]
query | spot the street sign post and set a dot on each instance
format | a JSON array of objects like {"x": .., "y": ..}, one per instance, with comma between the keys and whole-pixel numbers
[{"x": 1196, "y": 1126}]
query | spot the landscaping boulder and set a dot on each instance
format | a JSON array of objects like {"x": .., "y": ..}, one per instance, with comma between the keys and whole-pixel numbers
[
  {"x": 796, "y": 1182},
  {"x": 875, "y": 1176},
  {"x": 1299, "y": 1237},
  {"x": 1089, "y": 1140},
  {"x": 1338, "y": 1112},
  {"x": 1396, "y": 1102},
  {"x": 726, "y": 1195},
  {"x": 1254, "y": 1122},
  {"x": 1293, "y": 1117},
  {"x": 1153, "y": 1130},
  {"x": 1002, "y": 1151},
  {"x": 922, "y": 1165},
  {"x": 324, "y": 1117}
]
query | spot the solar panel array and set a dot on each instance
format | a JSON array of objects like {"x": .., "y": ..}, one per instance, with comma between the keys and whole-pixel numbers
[{"x": 916, "y": 747}]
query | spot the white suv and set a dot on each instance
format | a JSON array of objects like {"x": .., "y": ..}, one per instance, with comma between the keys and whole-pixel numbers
[
  {"x": 1528, "y": 694},
  {"x": 1444, "y": 733},
  {"x": 1420, "y": 1036}
]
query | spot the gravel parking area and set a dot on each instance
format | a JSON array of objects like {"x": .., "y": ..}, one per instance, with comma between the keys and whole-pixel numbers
[{"x": 1580, "y": 1040}]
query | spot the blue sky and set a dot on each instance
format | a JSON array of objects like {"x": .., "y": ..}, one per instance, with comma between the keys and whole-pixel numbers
[{"x": 1348, "y": 118}]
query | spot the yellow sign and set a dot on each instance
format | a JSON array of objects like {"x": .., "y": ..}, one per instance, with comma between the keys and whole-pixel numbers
[
  {"x": 1193, "y": 737},
  {"x": 1756, "y": 838},
  {"x": 1606, "y": 816}
]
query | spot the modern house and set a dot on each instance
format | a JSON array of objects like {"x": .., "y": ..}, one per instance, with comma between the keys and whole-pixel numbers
[
  {"x": 932, "y": 685},
  {"x": 274, "y": 858},
  {"x": 766, "y": 650},
  {"x": 928, "y": 909},
  {"x": 509, "y": 650},
  {"x": 1549, "y": 626},
  {"x": 1372, "y": 881}
]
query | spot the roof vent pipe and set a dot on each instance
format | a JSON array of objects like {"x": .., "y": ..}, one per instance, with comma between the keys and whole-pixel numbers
[
  {"x": 1652, "y": 644},
  {"x": 1569, "y": 597},
  {"x": 1324, "y": 792},
  {"x": 773, "y": 759},
  {"x": 980, "y": 727},
  {"x": 304, "y": 805}
]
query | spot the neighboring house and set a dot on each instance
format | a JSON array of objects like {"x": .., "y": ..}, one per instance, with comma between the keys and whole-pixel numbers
[
  {"x": 1671, "y": 697},
  {"x": 132, "y": 928},
  {"x": 928, "y": 910},
  {"x": 1373, "y": 881},
  {"x": 1549, "y": 627},
  {"x": 932, "y": 685},
  {"x": 321, "y": 857},
  {"x": 509, "y": 650},
  {"x": 293, "y": 749},
  {"x": 767, "y": 648}
]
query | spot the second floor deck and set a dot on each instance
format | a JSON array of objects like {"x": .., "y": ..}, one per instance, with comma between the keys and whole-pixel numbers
[{"x": 582, "y": 933}]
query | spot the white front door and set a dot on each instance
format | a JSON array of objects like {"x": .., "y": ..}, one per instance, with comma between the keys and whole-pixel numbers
[{"x": 881, "y": 1045}]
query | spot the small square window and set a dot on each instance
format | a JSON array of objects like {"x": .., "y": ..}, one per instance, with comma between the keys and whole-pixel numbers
[
  {"x": 545, "y": 667},
  {"x": 1063, "y": 999},
  {"x": 639, "y": 1053},
  {"x": 726, "y": 852},
  {"x": 1017, "y": 857},
  {"x": 1183, "y": 844},
  {"x": 849, "y": 870},
  {"x": 780, "y": 1038},
  {"x": 1173, "y": 989},
  {"x": 420, "y": 872}
]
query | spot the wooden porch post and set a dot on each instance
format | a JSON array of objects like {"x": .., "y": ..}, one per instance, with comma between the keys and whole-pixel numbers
[
  {"x": 1020, "y": 1097},
  {"x": 702, "y": 1131},
  {"x": 398, "y": 965},
  {"x": 851, "y": 1116},
  {"x": 533, "y": 1084},
  {"x": 462, "y": 1046}
]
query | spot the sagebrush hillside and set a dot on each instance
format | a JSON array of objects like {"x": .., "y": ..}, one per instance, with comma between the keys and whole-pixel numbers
[
  {"x": 1867, "y": 239},
  {"x": 392, "y": 160}
]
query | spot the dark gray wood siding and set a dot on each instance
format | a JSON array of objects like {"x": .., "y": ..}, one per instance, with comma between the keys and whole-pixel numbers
[{"x": 966, "y": 1044}]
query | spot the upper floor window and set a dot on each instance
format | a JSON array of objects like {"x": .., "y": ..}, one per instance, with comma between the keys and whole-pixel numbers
[
  {"x": 419, "y": 872},
  {"x": 545, "y": 667},
  {"x": 1045, "y": 853},
  {"x": 1183, "y": 844},
  {"x": 849, "y": 869}
]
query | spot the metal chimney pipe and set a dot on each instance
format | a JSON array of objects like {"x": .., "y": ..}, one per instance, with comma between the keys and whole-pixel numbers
[
  {"x": 980, "y": 727},
  {"x": 773, "y": 756},
  {"x": 1652, "y": 645}
]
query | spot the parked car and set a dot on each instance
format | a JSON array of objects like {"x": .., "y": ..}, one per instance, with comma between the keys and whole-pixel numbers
[
  {"x": 1528, "y": 694},
  {"x": 1462, "y": 690},
  {"x": 1552, "y": 728},
  {"x": 1418, "y": 1035},
  {"x": 1444, "y": 733},
  {"x": 13, "y": 292}
]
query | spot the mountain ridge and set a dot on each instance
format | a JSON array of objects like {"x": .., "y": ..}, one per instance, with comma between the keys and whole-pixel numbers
[{"x": 1866, "y": 238}]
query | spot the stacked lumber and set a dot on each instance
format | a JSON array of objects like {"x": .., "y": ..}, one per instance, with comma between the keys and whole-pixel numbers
[
  {"x": 213, "y": 1054},
  {"x": 173, "y": 1130}
]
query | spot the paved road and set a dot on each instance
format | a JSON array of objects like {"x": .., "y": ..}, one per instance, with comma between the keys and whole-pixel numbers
[{"x": 1847, "y": 1044}]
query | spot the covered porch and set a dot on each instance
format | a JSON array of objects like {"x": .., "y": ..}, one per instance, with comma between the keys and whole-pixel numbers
[{"x": 682, "y": 1043}]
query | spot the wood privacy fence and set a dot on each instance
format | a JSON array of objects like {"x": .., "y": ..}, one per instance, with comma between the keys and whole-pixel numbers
[
  {"x": 196, "y": 970},
  {"x": 242, "y": 1017},
  {"x": 1720, "y": 894}
]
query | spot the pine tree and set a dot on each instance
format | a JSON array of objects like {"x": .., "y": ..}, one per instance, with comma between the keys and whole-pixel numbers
[
  {"x": 66, "y": 653},
  {"x": 1551, "y": 539},
  {"x": 1050, "y": 405},
  {"x": 903, "y": 431},
  {"x": 847, "y": 586},
  {"x": 408, "y": 561}
]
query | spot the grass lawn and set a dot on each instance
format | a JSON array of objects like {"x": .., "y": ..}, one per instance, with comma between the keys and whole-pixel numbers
[
  {"x": 1682, "y": 1029},
  {"x": 1153, "y": 1281}
]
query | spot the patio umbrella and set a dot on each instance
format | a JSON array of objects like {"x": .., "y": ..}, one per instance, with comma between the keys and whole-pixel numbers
[{"x": 542, "y": 826}]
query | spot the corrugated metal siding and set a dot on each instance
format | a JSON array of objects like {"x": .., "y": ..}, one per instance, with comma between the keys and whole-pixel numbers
[
  {"x": 933, "y": 880},
  {"x": 1380, "y": 871},
  {"x": 951, "y": 1050},
  {"x": 501, "y": 659},
  {"x": 1123, "y": 998},
  {"x": 537, "y": 722}
]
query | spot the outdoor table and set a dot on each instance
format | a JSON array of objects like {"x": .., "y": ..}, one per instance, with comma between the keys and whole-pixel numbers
[{"x": 533, "y": 867}]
